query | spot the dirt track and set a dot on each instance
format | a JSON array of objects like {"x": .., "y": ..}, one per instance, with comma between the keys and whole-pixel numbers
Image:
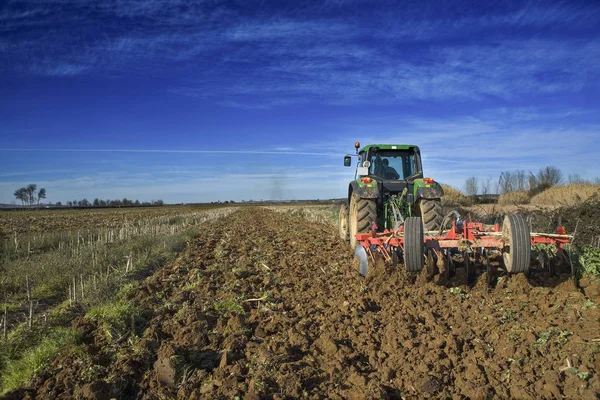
[{"x": 265, "y": 305}]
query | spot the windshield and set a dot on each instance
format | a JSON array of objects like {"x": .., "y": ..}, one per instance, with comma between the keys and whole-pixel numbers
[{"x": 393, "y": 164}]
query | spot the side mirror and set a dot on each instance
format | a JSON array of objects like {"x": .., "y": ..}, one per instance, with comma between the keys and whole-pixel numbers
[{"x": 347, "y": 161}]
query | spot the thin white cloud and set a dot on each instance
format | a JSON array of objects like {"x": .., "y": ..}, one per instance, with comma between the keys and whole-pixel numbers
[{"x": 169, "y": 151}]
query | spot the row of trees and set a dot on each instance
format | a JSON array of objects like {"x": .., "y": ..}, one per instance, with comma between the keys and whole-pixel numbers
[
  {"x": 521, "y": 181},
  {"x": 29, "y": 194},
  {"x": 111, "y": 203}
]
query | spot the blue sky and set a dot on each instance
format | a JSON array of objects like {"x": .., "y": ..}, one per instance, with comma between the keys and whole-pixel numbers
[{"x": 209, "y": 100}]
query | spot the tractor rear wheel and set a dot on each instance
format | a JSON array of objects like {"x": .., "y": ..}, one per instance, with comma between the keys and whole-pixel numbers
[
  {"x": 413, "y": 244},
  {"x": 517, "y": 251},
  {"x": 343, "y": 222},
  {"x": 431, "y": 213},
  {"x": 363, "y": 212}
]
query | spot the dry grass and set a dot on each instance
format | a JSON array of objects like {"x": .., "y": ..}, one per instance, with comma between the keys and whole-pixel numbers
[
  {"x": 323, "y": 214},
  {"x": 513, "y": 198},
  {"x": 566, "y": 195},
  {"x": 453, "y": 197}
]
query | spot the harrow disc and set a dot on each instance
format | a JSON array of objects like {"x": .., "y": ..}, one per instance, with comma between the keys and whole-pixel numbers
[
  {"x": 432, "y": 268},
  {"x": 469, "y": 267},
  {"x": 395, "y": 258},
  {"x": 450, "y": 267},
  {"x": 517, "y": 251},
  {"x": 545, "y": 263},
  {"x": 488, "y": 268},
  {"x": 361, "y": 260}
]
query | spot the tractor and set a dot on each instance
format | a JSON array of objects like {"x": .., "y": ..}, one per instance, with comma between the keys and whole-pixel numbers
[
  {"x": 388, "y": 188},
  {"x": 393, "y": 213}
]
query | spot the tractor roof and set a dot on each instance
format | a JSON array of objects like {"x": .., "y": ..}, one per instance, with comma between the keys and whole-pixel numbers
[{"x": 391, "y": 147}]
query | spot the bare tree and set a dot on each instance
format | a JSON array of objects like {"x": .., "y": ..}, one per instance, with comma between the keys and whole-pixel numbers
[
  {"x": 520, "y": 178},
  {"x": 21, "y": 194},
  {"x": 486, "y": 186},
  {"x": 506, "y": 182},
  {"x": 471, "y": 186},
  {"x": 546, "y": 178},
  {"x": 511, "y": 181},
  {"x": 41, "y": 195},
  {"x": 576, "y": 179},
  {"x": 31, "y": 192}
]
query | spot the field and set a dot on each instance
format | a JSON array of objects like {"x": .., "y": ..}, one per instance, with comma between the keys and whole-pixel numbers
[{"x": 256, "y": 302}]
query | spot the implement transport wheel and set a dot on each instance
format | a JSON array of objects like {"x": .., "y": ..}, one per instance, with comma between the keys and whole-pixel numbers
[
  {"x": 517, "y": 250},
  {"x": 343, "y": 223},
  {"x": 431, "y": 214},
  {"x": 413, "y": 244},
  {"x": 363, "y": 212}
]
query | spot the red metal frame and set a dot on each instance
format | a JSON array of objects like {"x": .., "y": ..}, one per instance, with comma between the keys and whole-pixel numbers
[{"x": 472, "y": 234}]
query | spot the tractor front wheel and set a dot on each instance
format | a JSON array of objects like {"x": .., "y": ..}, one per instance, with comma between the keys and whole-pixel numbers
[
  {"x": 363, "y": 212},
  {"x": 431, "y": 214}
]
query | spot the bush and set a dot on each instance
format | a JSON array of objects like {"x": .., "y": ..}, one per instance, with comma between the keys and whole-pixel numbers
[{"x": 512, "y": 198}]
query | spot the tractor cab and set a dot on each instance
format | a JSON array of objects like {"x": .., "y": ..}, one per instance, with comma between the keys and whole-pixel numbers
[
  {"x": 392, "y": 162},
  {"x": 388, "y": 162}
]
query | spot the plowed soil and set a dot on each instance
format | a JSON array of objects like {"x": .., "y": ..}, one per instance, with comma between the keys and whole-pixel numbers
[{"x": 266, "y": 305}]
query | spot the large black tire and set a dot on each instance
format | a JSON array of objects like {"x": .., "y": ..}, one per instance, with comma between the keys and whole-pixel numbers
[
  {"x": 517, "y": 250},
  {"x": 363, "y": 212},
  {"x": 343, "y": 223},
  {"x": 413, "y": 244},
  {"x": 431, "y": 214}
]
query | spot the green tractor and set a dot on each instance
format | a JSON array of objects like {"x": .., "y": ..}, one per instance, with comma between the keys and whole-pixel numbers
[{"x": 388, "y": 187}]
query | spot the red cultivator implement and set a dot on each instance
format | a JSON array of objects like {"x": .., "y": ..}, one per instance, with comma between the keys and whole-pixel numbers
[{"x": 469, "y": 244}]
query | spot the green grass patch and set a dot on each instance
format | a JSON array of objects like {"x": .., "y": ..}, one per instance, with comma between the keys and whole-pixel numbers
[
  {"x": 228, "y": 307},
  {"x": 18, "y": 371},
  {"x": 117, "y": 318}
]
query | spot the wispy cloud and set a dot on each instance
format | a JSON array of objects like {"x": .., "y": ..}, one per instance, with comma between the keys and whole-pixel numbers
[
  {"x": 255, "y": 57},
  {"x": 172, "y": 151}
]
